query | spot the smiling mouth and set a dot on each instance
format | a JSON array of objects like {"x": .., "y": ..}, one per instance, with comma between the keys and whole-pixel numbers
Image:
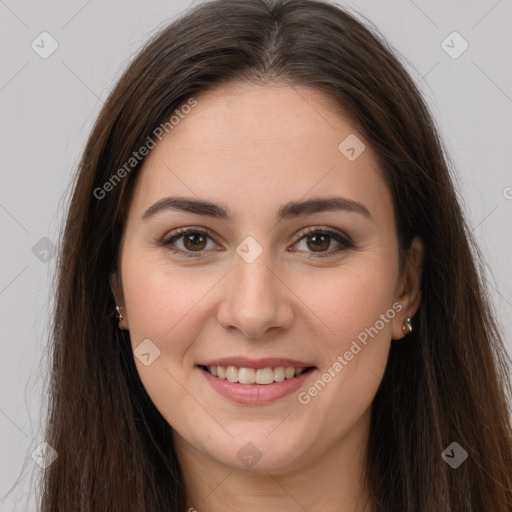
[{"x": 263, "y": 376}]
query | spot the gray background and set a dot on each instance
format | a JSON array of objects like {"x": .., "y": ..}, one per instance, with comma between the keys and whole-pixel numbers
[{"x": 48, "y": 107}]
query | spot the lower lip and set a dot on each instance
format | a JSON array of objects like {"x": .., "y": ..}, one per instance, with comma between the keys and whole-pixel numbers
[{"x": 255, "y": 394}]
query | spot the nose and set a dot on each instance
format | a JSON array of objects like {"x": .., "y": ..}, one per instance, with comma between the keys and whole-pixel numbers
[{"x": 255, "y": 299}]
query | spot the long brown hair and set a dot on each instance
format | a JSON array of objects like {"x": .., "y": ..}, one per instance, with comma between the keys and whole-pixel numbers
[{"x": 447, "y": 383}]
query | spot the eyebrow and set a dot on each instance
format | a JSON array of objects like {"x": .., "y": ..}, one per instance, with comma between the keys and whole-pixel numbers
[{"x": 287, "y": 211}]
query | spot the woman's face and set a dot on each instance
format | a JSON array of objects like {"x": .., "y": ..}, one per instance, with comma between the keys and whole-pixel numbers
[{"x": 249, "y": 288}]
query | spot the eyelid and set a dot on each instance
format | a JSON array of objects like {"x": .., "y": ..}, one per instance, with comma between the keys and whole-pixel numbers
[
  {"x": 336, "y": 233},
  {"x": 183, "y": 231}
]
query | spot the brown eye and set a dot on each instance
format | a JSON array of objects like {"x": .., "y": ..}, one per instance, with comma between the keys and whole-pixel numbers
[
  {"x": 188, "y": 241},
  {"x": 194, "y": 242},
  {"x": 318, "y": 240}
]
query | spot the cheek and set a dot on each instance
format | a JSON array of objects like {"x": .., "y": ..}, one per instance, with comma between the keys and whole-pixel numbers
[
  {"x": 163, "y": 305},
  {"x": 161, "y": 298},
  {"x": 356, "y": 312},
  {"x": 355, "y": 306},
  {"x": 352, "y": 301}
]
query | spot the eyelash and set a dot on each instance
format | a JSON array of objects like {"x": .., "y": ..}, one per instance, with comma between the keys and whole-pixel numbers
[{"x": 316, "y": 230}]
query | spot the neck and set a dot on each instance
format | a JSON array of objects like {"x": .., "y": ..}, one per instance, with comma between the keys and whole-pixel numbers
[{"x": 331, "y": 481}]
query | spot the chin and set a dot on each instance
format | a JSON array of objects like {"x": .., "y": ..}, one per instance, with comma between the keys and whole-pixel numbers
[{"x": 258, "y": 453}]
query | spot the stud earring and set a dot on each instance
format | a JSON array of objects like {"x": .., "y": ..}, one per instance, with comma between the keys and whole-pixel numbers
[
  {"x": 118, "y": 314},
  {"x": 407, "y": 326}
]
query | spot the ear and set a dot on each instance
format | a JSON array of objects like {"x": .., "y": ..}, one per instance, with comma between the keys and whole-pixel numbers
[
  {"x": 409, "y": 287},
  {"x": 117, "y": 290}
]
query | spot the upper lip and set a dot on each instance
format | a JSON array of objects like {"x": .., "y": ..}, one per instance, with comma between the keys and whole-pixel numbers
[{"x": 247, "y": 362}]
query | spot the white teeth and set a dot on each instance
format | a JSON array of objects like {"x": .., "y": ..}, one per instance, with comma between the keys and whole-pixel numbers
[
  {"x": 279, "y": 374},
  {"x": 289, "y": 372},
  {"x": 247, "y": 376},
  {"x": 232, "y": 374},
  {"x": 252, "y": 376},
  {"x": 264, "y": 376}
]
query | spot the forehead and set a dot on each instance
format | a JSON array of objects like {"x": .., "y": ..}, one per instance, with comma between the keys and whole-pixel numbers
[
  {"x": 258, "y": 146},
  {"x": 233, "y": 115}
]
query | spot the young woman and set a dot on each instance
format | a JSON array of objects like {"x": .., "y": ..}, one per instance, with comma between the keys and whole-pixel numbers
[{"x": 300, "y": 321}]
